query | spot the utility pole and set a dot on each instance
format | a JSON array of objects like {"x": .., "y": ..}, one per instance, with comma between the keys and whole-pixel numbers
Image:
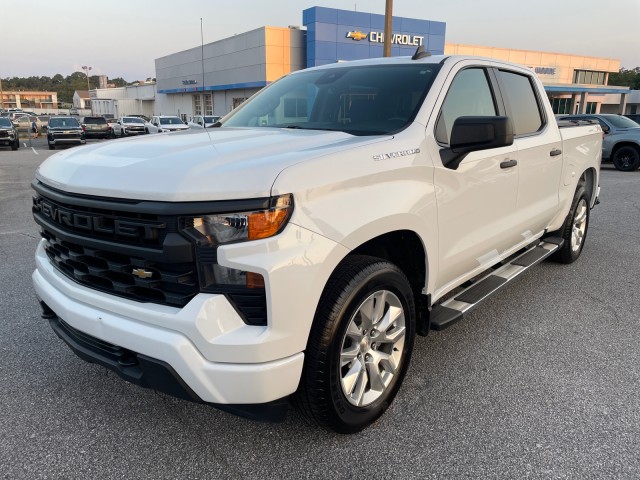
[
  {"x": 388, "y": 15},
  {"x": 1, "y": 97}
]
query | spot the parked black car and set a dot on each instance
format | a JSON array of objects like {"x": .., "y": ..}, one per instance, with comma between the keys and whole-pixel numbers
[
  {"x": 8, "y": 134},
  {"x": 96, "y": 127},
  {"x": 64, "y": 130}
]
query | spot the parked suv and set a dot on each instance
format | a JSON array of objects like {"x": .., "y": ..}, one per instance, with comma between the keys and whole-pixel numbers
[
  {"x": 621, "y": 144},
  {"x": 96, "y": 127},
  {"x": 165, "y": 123},
  {"x": 8, "y": 134},
  {"x": 132, "y": 126},
  {"x": 64, "y": 130}
]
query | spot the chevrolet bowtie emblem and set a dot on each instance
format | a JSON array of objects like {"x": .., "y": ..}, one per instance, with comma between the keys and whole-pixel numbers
[
  {"x": 357, "y": 35},
  {"x": 142, "y": 273}
]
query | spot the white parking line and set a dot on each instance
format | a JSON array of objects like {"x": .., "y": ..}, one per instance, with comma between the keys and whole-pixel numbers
[
  {"x": 25, "y": 144},
  {"x": 34, "y": 151}
]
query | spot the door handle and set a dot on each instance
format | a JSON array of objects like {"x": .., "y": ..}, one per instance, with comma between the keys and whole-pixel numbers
[
  {"x": 508, "y": 163},
  {"x": 555, "y": 152}
]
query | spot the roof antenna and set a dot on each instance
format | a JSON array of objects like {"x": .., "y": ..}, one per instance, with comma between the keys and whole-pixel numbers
[{"x": 420, "y": 53}]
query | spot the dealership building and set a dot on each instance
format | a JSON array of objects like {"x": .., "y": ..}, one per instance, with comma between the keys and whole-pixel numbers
[{"x": 215, "y": 78}]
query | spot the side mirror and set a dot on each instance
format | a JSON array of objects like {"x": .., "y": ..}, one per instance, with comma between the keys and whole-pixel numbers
[
  {"x": 605, "y": 129},
  {"x": 472, "y": 134}
]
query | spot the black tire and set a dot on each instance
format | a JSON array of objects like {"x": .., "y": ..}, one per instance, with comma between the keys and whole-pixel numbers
[
  {"x": 321, "y": 397},
  {"x": 571, "y": 250},
  {"x": 122, "y": 133},
  {"x": 626, "y": 158},
  {"x": 15, "y": 145},
  {"x": 51, "y": 147}
]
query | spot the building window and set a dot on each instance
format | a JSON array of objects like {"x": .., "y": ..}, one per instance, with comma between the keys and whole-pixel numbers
[
  {"x": 197, "y": 105},
  {"x": 208, "y": 104},
  {"x": 591, "y": 107},
  {"x": 561, "y": 106},
  {"x": 588, "y": 77}
]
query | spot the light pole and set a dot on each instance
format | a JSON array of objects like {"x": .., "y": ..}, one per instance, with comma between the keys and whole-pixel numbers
[{"x": 86, "y": 71}]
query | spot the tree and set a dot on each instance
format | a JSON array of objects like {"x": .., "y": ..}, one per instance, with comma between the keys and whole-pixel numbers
[{"x": 626, "y": 78}]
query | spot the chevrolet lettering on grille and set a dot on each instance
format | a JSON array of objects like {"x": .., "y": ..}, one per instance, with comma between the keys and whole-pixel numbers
[{"x": 99, "y": 224}]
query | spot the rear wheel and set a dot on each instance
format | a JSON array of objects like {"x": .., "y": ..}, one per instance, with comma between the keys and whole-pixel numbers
[
  {"x": 359, "y": 346},
  {"x": 626, "y": 158},
  {"x": 574, "y": 232}
]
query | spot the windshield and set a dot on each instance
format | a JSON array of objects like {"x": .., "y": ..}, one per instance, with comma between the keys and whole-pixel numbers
[
  {"x": 360, "y": 100},
  {"x": 132, "y": 120},
  {"x": 5, "y": 122},
  {"x": 63, "y": 122},
  {"x": 171, "y": 121},
  {"x": 619, "y": 121},
  {"x": 211, "y": 119}
]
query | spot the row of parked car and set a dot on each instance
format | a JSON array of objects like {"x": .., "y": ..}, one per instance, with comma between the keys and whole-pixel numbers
[{"x": 75, "y": 130}]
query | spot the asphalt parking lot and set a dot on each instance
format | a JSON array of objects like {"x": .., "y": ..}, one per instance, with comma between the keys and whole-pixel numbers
[{"x": 541, "y": 381}]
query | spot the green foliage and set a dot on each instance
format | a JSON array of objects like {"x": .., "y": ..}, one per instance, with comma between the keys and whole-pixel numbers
[
  {"x": 63, "y": 86},
  {"x": 626, "y": 78}
]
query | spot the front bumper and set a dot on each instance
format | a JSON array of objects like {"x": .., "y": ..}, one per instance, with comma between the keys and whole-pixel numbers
[
  {"x": 148, "y": 372},
  {"x": 206, "y": 343}
]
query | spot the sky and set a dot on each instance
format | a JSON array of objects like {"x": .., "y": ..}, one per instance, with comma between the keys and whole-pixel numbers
[{"x": 122, "y": 38}]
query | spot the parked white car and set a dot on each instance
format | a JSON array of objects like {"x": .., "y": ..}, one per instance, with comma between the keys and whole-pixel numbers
[
  {"x": 203, "y": 121},
  {"x": 132, "y": 126},
  {"x": 116, "y": 129},
  {"x": 165, "y": 123}
]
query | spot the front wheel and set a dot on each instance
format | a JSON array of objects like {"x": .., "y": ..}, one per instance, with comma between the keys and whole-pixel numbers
[
  {"x": 574, "y": 231},
  {"x": 51, "y": 146},
  {"x": 626, "y": 158},
  {"x": 359, "y": 346},
  {"x": 15, "y": 145}
]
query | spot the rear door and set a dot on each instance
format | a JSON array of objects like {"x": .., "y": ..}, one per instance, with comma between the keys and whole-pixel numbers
[{"x": 539, "y": 145}]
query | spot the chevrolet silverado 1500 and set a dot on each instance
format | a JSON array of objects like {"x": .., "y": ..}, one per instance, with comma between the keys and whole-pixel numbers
[{"x": 293, "y": 252}]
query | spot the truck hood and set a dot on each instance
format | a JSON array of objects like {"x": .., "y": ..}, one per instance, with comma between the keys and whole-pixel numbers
[{"x": 212, "y": 164}]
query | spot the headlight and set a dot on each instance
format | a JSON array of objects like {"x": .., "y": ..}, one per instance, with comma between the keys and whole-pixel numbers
[
  {"x": 244, "y": 290},
  {"x": 235, "y": 227}
]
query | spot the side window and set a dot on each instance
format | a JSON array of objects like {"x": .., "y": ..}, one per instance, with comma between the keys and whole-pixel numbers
[
  {"x": 525, "y": 109},
  {"x": 468, "y": 95}
]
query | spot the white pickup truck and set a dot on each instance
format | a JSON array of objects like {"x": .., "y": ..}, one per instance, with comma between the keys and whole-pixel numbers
[{"x": 293, "y": 253}]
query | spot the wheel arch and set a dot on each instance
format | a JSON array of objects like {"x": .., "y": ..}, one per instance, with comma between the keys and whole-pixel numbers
[
  {"x": 624, "y": 143},
  {"x": 406, "y": 250},
  {"x": 589, "y": 178}
]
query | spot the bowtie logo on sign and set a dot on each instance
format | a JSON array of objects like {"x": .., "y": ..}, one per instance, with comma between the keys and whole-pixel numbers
[{"x": 357, "y": 35}]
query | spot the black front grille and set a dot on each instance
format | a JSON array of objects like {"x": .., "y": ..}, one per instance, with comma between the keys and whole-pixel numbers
[
  {"x": 4, "y": 133},
  {"x": 124, "y": 275},
  {"x": 135, "y": 248}
]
